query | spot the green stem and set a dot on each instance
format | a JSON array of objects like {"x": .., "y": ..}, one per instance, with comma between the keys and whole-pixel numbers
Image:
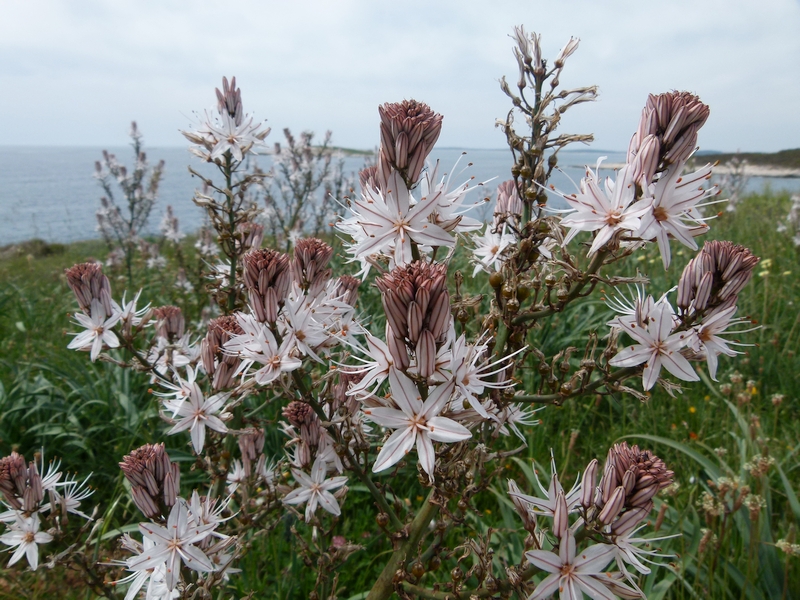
[
  {"x": 593, "y": 267},
  {"x": 558, "y": 398},
  {"x": 232, "y": 232},
  {"x": 384, "y": 586}
]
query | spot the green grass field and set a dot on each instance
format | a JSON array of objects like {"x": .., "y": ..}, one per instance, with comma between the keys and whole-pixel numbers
[{"x": 91, "y": 414}]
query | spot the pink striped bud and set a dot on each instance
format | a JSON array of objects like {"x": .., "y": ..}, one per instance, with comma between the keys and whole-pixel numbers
[
  {"x": 251, "y": 445},
  {"x": 88, "y": 283},
  {"x": 560, "y": 516},
  {"x": 170, "y": 323},
  {"x": 309, "y": 268},
  {"x": 613, "y": 507},
  {"x": 267, "y": 276},
  {"x": 155, "y": 481},
  {"x": 218, "y": 365},
  {"x": 409, "y": 130},
  {"x": 523, "y": 509},
  {"x": 229, "y": 100},
  {"x": 588, "y": 483}
]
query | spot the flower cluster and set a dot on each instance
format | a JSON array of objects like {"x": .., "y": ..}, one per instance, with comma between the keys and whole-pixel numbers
[
  {"x": 33, "y": 493},
  {"x": 230, "y": 132},
  {"x": 613, "y": 511},
  {"x": 707, "y": 301}
]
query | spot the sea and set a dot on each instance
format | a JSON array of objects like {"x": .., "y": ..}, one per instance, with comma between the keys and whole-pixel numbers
[{"x": 50, "y": 193}]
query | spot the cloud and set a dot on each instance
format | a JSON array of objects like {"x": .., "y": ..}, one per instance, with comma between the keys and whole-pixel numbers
[{"x": 81, "y": 71}]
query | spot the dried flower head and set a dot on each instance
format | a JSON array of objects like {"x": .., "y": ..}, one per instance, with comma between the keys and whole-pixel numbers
[
  {"x": 267, "y": 276},
  {"x": 409, "y": 130}
]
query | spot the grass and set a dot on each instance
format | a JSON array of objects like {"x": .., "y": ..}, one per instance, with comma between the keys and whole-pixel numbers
[{"x": 90, "y": 415}]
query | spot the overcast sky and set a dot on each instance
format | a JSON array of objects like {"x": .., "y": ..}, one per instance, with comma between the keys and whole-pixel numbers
[{"x": 77, "y": 72}]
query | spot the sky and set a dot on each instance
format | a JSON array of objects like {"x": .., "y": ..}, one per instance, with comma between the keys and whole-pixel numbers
[{"x": 75, "y": 73}]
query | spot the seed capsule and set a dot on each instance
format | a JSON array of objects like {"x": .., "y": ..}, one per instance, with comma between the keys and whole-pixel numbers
[
  {"x": 496, "y": 279},
  {"x": 417, "y": 569}
]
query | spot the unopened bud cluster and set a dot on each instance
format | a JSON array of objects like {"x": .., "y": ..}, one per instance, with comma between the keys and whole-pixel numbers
[{"x": 155, "y": 480}]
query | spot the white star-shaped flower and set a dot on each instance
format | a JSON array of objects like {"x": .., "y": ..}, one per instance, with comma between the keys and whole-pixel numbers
[
  {"x": 606, "y": 212},
  {"x": 316, "y": 490},
  {"x": 25, "y": 535},
  {"x": 657, "y": 346},
  {"x": 675, "y": 209},
  {"x": 417, "y": 423},
  {"x": 98, "y": 331},
  {"x": 489, "y": 247},
  {"x": 196, "y": 413},
  {"x": 390, "y": 223},
  {"x": 173, "y": 544},
  {"x": 571, "y": 575}
]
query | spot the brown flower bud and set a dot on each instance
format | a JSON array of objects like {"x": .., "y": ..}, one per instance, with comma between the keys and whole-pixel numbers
[
  {"x": 298, "y": 413},
  {"x": 267, "y": 276},
  {"x": 251, "y": 445},
  {"x": 409, "y": 130},
  {"x": 347, "y": 289},
  {"x": 667, "y": 130},
  {"x": 155, "y": 481},
  {"x": 218, "y": 365},
  {"x": 416, "y": 301},
  {"x": 13, "y": 479},
  {"x": 368, "y": 177},
  {"x": 88, "y": 283},
  {"x": 715, "y": 276},
  {"x": 169, "y": 322},
  {"x": 309, "y": 268},
  {"x": 640, "y": 472}
]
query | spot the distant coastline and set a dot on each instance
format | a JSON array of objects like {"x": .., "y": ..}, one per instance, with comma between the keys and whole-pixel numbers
[{"x": 785, "y": 163}]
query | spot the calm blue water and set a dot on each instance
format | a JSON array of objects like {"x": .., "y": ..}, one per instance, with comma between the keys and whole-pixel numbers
[{"x": 50, "y": 193}]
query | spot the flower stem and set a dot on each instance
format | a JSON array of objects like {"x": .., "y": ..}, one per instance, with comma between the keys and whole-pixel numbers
[{"x": 384, "y": 586}]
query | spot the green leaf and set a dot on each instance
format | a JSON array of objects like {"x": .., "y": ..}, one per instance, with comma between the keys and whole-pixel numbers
[{"x": 790, "y": 495}]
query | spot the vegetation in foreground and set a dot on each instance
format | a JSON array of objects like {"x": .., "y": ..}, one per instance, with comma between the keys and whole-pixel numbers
[{"x": 90, "y": 416}]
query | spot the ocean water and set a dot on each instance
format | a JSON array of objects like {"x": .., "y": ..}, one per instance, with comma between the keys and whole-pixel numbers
[{"x": 50, "y": 192}]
